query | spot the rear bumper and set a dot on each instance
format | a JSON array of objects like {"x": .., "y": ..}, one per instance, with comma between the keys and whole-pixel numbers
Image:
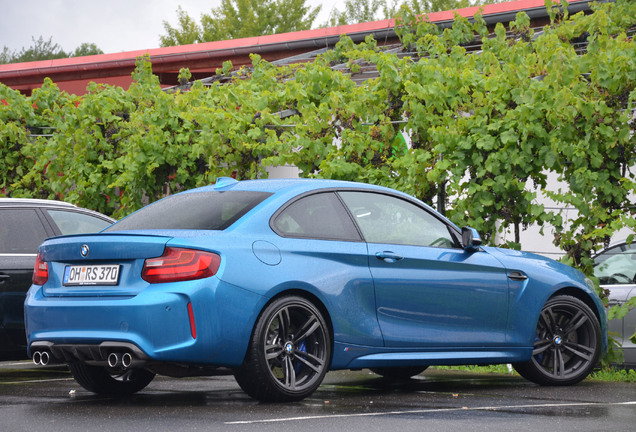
[{"x": 156, "y": 323}]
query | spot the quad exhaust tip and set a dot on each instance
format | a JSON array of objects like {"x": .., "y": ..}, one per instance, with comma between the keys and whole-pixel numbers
[{"x": 118, "y": 355}]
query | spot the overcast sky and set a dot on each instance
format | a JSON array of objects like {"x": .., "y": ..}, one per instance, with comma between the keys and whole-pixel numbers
[{"x": 113, "y": 25}]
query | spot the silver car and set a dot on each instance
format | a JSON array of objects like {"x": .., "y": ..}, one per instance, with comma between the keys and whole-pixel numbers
[{"x": 616, "y": 269}]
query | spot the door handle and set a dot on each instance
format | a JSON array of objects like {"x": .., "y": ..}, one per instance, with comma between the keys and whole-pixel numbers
[
  {"x": 388, "y": 256},
  {"x": 4, "y": 277}
]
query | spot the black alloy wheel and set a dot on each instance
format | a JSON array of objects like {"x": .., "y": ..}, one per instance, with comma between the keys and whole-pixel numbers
[
  {"x": 289, "y": 353},
  {"x": 567, "y": 344}
]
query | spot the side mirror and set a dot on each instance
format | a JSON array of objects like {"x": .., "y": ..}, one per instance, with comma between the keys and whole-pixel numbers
[{"x": 471, "y": 240}]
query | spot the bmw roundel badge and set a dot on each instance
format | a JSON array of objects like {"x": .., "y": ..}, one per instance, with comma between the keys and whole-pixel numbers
[{"x": 84, "y": 250}]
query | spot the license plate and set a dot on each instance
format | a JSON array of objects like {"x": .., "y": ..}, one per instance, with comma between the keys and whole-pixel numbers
[{"x": 91, "y": 275}]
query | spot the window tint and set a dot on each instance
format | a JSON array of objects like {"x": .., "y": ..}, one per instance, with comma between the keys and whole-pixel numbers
[
  {"x": 21, "y": 231},
  {"x": 319, "y": 216},
  {"x": 197, "y": 210},
  {"x": 70, "y": 222},
  {"x": 387, "y": 219},
  {"x": 616, "y": 266}
]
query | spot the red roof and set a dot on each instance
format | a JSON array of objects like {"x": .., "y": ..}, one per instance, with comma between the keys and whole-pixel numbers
[{"x": 73, "y": 74}]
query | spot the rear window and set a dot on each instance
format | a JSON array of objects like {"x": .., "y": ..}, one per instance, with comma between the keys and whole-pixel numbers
[
  {"x": 195, "y": 211},
  {"x": 70, "y": 222}
]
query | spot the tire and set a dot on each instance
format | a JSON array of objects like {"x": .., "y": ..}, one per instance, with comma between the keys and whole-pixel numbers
[
  {"x": 289, "y": 352},
  {"x": 567, "y": 344},
  {"x": 100, "y": 380},
  {"x": 399, "y": 373}
]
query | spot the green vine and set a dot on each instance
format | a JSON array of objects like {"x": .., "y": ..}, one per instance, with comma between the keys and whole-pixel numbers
[{"x": 479, "y": 133}]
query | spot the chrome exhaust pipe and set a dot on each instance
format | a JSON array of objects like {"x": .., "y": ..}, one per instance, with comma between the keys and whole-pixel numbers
[
  {"x": 113, "y": 360},
  {"x": 41, "y": 358},
  {"x": 126, "y": 360}
]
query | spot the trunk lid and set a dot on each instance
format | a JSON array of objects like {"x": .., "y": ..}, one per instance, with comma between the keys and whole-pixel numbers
[
  {"x": 103, "y": 247},
  {"x": 125, "y": 251}
]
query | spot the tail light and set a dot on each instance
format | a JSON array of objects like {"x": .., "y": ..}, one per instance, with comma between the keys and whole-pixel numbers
[
  {"x": 40, "y": 271},
  {"x": 177, "y": 265}
]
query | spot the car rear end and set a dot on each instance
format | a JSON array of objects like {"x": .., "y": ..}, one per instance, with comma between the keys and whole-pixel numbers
[
  {"x": 146, "y": 291},
  {"x": 97, "y": 295}
]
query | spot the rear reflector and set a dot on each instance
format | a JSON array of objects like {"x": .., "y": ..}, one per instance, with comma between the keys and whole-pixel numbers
[
  {"x": 40, "y": 271},
  {"x": 193, "y": 327},
  {"x": 177, "y": 265}
]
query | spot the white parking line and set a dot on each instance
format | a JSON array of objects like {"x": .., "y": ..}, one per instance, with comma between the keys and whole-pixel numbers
[
  {"x": 425, "y": 411},
  {"x": 36, "y": 381}
]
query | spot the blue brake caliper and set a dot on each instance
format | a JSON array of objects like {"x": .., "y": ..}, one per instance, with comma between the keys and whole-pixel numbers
[{"x": 302, "y": 346}]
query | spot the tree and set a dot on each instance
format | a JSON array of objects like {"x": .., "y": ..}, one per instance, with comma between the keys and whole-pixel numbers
[
  {"x": 45, "y": 50},
  {"x": 235, "y": 19},
  {"x": 86, "y": 49},
  {"x": 238, "y": 19},
  {"x": 357, "y": 11},
  {"x": 187, "y": 32},
  {"x": 295, "y": 16},
  {"x": 40, "y": 50},
  {"x": 6, "y": 55}
]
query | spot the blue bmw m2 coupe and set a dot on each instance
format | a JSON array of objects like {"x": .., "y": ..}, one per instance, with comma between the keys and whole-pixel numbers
[{"x": 283, "y": 280}]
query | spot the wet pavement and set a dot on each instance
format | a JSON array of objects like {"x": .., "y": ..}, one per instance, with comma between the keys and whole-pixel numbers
[{"x": 48, "y": 399}]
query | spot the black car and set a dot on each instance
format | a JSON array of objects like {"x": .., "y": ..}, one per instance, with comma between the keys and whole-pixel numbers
[{"x": 24, "y": 224}]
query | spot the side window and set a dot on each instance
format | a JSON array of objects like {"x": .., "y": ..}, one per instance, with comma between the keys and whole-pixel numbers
[
  {"x": 617, "y": 266},
  {"x": 387, "y": 219},
  {"x": 70, "y": 222},
  {"x": 21, "y": 231},
  {"x": 319, "y": 216}
]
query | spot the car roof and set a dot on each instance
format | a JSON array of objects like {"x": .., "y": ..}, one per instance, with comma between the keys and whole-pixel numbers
[
  {"x": 289, "y": 188},
  {"x": 613, "y": 245},
  {"x": 288, "y": 185},
  {"x": 34, "y": 202},
  {"x": 51, "y": 204}
]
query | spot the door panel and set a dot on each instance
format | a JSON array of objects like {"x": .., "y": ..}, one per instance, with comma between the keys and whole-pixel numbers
[
  {"x": 432, "y": 297},
  {"x": 429, "y": 291},
  {"x": 21, "y": 232}
]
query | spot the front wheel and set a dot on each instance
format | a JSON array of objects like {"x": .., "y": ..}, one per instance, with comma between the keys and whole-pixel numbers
[
  {"x": 567, "y": 344},
  {"x": 289, "y": 352},
  {"x": 101, "y": 380}
]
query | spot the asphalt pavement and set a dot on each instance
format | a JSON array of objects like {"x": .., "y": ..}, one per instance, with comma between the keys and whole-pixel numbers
[{"x": 48, "y": 399}]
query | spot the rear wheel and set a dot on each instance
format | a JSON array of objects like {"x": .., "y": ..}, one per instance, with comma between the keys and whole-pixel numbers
[
  {"x": 399, "y": 373},
  {"x": 101, "y": 380},
  {"x": 567, "y": 344},
  {"x": 289, "y": 352}
]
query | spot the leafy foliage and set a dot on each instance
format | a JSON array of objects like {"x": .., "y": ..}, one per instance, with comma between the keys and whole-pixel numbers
[
  {"x": 235, "y": 19},
  {"x": 487, "y": 129},
  {"x": 46, "y": 50},
  {"x": 357, "y": 11}
]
